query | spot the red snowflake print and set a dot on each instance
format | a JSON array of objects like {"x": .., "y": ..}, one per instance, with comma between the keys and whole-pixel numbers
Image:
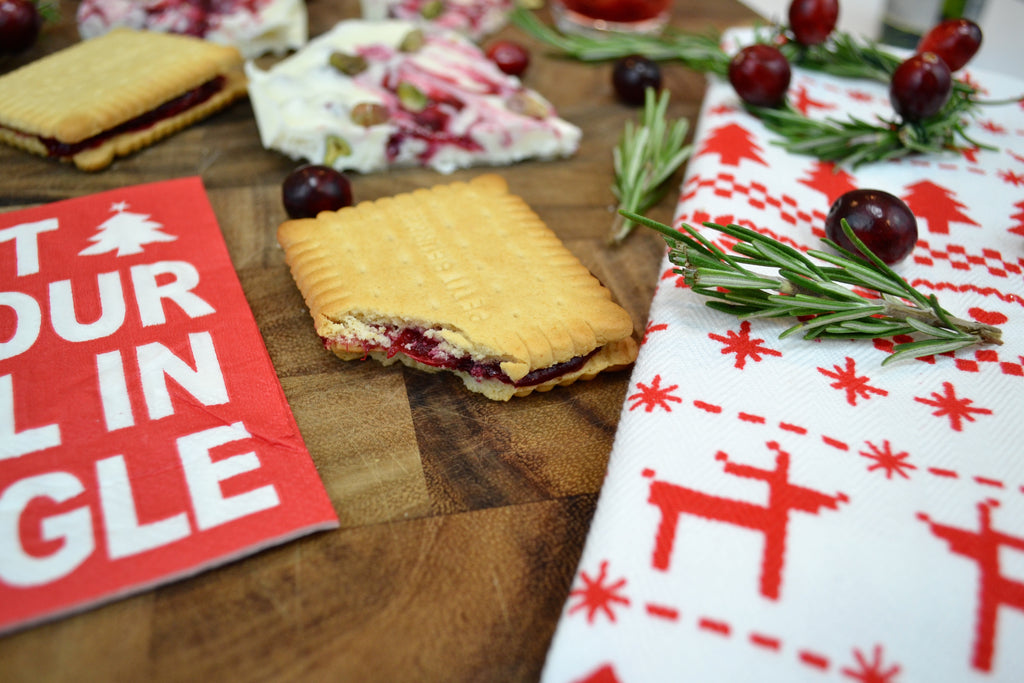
[
  {"x": 855, "y": 386},
  {"x": 804, "y": 103},
  {"x": 743, "y": 345},
  {"x": 992, "y": 127},
  {"x": 859, "y": 95},
  {"x": 721, "y": 109},
  {"x": 887, "y": 461},
  {"x": 651, "y": 327},
  {"x": 970, "y": 153},
  {"x": 950, "y": 405},
  {"x": 597, "y": 595},
  {"x": 654, "y": 396},
  {"x": 874, "y": 671},
  {"x": 1011, "y": 178}
]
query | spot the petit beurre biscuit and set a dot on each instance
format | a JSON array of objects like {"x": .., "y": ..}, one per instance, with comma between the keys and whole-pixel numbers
[
  {"x": 464, "y": 278},
  {"x": 115, "y": 94}
]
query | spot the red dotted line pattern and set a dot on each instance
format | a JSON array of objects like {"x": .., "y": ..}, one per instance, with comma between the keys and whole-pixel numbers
[
  {"x": 843, "y": 446},
  {"x": 719, "y": 627}
]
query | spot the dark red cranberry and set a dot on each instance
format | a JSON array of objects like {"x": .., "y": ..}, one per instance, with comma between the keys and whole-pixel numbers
[
  {"x": 19, "y": 25},
  {"x": 955, "y": 41},
  {"x": 632, "y": 75},
  {"x": 812, "y": 21},
  {"x": 310, "y": 189},
  {"x": 920, "y": 87},
  {"x": 432, "y": 117},
  {"x": 760, "y": 75},
  {"x": 880, "y": 220},
  {"x": 509, "y": 56}
]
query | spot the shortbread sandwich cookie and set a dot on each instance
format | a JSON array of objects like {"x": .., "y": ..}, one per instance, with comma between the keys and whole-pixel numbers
[
  {"x": 113, "y": 95},
  {"x": 371, "y": 95},
  {"x": 255, "y": 27},
  {"x": 463, "y": 278}
]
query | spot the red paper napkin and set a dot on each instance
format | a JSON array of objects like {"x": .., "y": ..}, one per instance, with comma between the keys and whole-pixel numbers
[
  {"x": 788, "y": 510},
  {"x": 143, "y": 433}
]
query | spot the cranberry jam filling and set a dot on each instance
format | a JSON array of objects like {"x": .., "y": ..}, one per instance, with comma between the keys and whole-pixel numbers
[
  {"x": 417, "y": 345},
  {"x": 168, "y": 109}
]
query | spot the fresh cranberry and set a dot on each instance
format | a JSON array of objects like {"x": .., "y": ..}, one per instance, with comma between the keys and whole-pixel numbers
[
  {"x": 880, "y": 220},
  {"x": 760, "y": 75},
  {"x": 310, "y": 189},
  {"x": 811, "y": 21},
  {"x": 509, "y": 56},
  {"x": 955, "y": 41},
  {"x": 920, "y": 87},
  {"x": 19, "y": 25},
  {"x": 632, "y": 75}
]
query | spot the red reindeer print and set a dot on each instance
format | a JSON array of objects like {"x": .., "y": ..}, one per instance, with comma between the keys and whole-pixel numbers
[
  {"x": 873, "y": 671},
  {"x": 994, "y": 589},
  {"x": 743, "y": 345},
  {"x": 856, "y": 386},
  {"x": 654, "y": 396},
  {"x": 948, "y": 404},
  {"x": 772, "y": 519},
  {"x": 597, "y": 594}
]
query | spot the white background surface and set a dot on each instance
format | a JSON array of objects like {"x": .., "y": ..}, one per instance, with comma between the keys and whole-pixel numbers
[{"x": 1002, "y": 23}]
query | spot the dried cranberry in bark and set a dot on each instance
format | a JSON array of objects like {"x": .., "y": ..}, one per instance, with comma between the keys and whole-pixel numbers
[
  {"x": 920, "y": 87},
  {"x": 955, "y": 41},
  {"x": 880, "y": 220},
  {"x": 811, "y": 21},
  {"x": 310, "y": 189},
  {"x": 760, "y": 75}
]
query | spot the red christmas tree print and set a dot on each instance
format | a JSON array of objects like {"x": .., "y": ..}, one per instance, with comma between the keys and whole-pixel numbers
[
  {"x": 936, "y": 205},
  {"x": 598, "y": 595},
  {"x": 733, "y": 143},
  {"x": 854, "y": 385},
  {"x": 654, "y": 396},
  {"x": 994, "y": 590},
  {"x": 874, "y": 671},
  {"x": 743, "y": 346},
  {"x": 887, "y": 461},
  {"x": 772, "y": 519},
  {"x": 829, "y": 179},
  {"x": 604, "y": 674},
  {"x": 1019, "y": 217},
  {"x": 949, "y": 405}
]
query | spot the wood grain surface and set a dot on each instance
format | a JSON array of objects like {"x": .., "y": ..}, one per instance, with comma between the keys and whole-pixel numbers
[{"x": 462, "y": 519}]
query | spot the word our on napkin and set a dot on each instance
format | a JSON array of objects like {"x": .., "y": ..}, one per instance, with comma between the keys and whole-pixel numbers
[
  {"x": 144, "y": 435},
  {"x": 790, "y": 510}
]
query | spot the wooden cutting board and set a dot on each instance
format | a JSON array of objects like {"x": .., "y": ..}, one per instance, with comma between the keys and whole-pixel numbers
[{"x": 462, "y": 519}]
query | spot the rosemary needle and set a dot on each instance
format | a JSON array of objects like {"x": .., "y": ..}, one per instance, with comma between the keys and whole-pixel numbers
[{"x": 645, "y": 159}]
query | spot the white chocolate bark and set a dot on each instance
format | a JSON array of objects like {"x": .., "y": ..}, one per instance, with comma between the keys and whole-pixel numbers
[
  {"x": 470, "y": 112},
  {"x": 472, "y": 18},
  {"x": 255, "y": 27}
]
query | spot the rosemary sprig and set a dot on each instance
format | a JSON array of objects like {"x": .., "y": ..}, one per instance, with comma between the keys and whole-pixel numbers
[
  {"x": 855, "y": 141},
  {"x": 851, "y": 140},
  {"x": 821, "y": 296},
  {"x": 701, "y": 52},
  {"x": 645, "y": 159}
]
